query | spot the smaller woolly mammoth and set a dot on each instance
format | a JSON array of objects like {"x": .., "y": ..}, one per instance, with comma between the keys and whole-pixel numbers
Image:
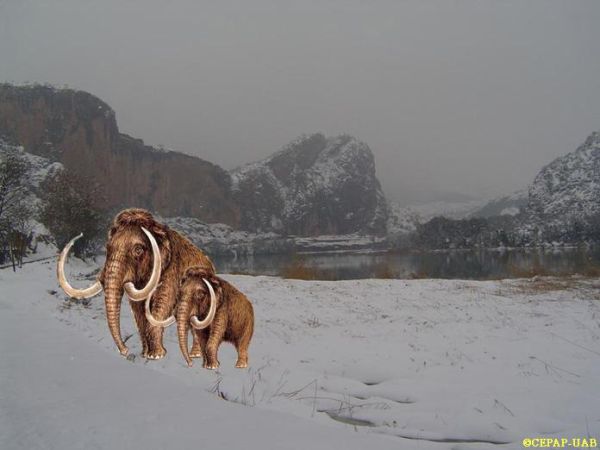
[{"x": 229, "y": 316}]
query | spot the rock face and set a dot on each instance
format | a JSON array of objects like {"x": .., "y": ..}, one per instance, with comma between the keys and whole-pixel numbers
[
  {"x": 315, "y": 185},
  {"x": 80, "y": 131},
  {"x": 569, "y": 187}
]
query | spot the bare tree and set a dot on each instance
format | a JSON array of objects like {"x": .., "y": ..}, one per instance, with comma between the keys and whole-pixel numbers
[{"x": 14, "y": 210}]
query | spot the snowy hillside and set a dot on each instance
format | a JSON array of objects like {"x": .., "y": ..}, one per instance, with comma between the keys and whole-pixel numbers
[
  {"x": 569, "y": 187},
  {"x": 221, "y": 239},
  {"x": 424, "y": 364},
  {"x": 508, "y": 205},
  {"x": 404, "y": 219},
  {"x": 38, "y": 168},
  {"x": 313, "y": 186}
]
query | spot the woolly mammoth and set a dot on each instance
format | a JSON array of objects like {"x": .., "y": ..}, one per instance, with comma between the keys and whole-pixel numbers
[
  {"x": 229, "y": 316},
  {"x": 146, "y": 260}
]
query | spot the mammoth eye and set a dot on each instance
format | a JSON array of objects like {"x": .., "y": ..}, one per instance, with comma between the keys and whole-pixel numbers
[{"x": 138, "y": 250}]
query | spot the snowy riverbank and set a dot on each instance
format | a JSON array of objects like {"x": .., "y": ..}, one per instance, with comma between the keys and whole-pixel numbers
[{"x": 425, "y": 364}]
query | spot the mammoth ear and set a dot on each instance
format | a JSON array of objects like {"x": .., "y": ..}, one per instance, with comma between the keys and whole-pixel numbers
[
  {"x": 217, "y": 284},
  {"x": 215, "y": 281},
  {"x": 159, "y": 230},
  {"x": 160, "y": 233}
]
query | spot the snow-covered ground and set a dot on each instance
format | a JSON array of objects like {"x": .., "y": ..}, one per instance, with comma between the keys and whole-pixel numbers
[{"x": 423, "y": 364}]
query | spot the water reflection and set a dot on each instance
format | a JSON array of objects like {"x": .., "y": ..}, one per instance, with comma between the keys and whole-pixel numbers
[{"x": 478, "y": 265}]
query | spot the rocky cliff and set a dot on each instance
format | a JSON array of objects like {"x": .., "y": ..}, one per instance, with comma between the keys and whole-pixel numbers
[
  {"x": 314, "y": 185},
  {"x": 80, "y": 131},
  {"x": 569, "y": 187}
]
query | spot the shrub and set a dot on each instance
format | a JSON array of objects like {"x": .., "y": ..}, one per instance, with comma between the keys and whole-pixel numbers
[{"x": 69, "y": 207}]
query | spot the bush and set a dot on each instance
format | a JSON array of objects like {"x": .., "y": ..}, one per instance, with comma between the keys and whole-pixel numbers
[{"x": 70, "y": 205}]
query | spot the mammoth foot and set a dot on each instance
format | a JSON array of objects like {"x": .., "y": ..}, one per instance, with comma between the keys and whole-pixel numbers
[
  {"x": 155, "y": 354},
  {"x": 213, "y": 365},
  {"x": 196, "y": 354},
  {"x": 241, "y": 364}
]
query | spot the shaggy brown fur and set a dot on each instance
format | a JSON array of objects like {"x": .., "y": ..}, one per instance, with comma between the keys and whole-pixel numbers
[
  {"x": 129, "y": 258},
  {"x": 233, "y": 322}
]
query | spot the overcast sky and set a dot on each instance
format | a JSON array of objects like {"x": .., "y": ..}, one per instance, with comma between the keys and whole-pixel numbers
[{"x": 469, "y": 97}]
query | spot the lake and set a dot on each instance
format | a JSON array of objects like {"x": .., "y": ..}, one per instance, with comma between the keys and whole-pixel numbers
[{"x": 457, "y": 264}]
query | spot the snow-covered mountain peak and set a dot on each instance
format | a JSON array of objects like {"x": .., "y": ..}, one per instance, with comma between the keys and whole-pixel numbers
[
  {"x": 314, "y": 185},
  {"x": 569, "y": 187}
]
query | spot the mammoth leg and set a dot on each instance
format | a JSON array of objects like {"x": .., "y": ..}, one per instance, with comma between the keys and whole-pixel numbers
[
  {"x": 137, "y": 308},
  {"x": 215, "y": 337},
  {"x": 163, "y": 302},
  {"x": 199, "y": 345},
  {"x": 241, "y": 345}
]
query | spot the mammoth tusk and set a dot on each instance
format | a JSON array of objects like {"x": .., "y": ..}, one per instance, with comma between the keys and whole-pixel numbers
[
  {"x": 155, "y": 322},
  {"x": 94, "y": 289},
  {"x": 136, "y": 295},
  {"x": 200, "y": 325}
]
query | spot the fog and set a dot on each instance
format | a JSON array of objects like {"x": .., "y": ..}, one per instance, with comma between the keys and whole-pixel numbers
[{"x": 455, "y": 98}]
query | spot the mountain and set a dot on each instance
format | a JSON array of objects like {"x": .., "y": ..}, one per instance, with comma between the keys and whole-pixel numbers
[
  {"x": 508, "y": 205},
  {"x": 80, "y": 131},
  {"x": 569, "y": 187},
  {"x": 404, "y": 219},
  {"x": 314, "y": 185}
]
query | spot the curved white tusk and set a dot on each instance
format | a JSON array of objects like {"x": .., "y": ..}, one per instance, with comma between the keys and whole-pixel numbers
[
  {"x": 136, "y": 295},
  {"x": 200, "y": 325},
  {"x": 157, "y": 323},
  {"x": 94, "y": 289}
]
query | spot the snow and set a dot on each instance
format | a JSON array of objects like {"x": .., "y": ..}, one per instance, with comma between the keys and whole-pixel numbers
[
  {"x": 39, "y": 168},
  {"x": 425, "y": 364},
  {"x": 511, "y": 211}
]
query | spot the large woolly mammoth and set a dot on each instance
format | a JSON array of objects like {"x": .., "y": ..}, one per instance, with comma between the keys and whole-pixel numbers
[
  {"x": 228, "y": 316},
  {"x": 146, "y": 260}
]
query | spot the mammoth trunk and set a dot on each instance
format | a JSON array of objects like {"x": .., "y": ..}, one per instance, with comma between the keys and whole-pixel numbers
[
  {"x": 113, "y": 290},
  {"x": 183, "y": 327}
]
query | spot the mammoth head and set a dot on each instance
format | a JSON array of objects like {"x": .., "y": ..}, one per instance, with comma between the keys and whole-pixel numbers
[
  {"x": 196, "y": 283},
  {"x": 130, "y": 248},
  {"x": 198, "y": 289}
]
